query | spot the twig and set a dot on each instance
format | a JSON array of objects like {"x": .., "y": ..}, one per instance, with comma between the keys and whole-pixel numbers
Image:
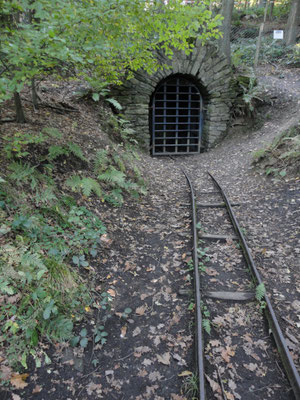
[
  {"x": 123, "y": 358},
  {"x": 4, "y": 121},
  {"x": 221, "y": 384}
]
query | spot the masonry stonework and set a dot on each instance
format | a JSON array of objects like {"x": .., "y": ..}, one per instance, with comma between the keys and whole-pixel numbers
[{"x": 207, "y": 67}]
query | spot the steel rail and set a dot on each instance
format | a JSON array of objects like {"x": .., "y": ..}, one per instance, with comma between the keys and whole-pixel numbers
[
  {"x": 284, "y": 353},
  {"x": 199, "y": 339}
]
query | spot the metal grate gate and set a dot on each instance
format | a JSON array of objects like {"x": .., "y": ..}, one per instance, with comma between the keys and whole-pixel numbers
[{"x": 177, "y": 113}]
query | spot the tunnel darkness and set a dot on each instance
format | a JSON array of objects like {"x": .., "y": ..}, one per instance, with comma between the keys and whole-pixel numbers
[{"x": 176, "y": 117}]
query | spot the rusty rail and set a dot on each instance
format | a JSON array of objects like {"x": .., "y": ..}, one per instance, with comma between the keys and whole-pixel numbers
[
  {"x": 284, "y": 353},
  {"x": 199, "y": 338}
]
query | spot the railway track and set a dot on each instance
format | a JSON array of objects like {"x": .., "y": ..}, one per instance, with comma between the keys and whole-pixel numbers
[{"x": 245, "y": 356}]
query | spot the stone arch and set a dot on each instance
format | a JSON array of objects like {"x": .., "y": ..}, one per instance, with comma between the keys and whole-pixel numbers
[{"x": 207, "y": 66}]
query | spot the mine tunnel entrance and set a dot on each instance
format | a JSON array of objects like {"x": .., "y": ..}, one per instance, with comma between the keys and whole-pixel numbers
[{"x": 176, "y": 117}]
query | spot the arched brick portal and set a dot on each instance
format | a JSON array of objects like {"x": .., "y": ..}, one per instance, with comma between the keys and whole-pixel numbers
[{"x": 209, "y": 70}]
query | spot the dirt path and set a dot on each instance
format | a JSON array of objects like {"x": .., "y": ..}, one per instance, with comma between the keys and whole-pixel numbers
[{"x": 150, "y": 349}]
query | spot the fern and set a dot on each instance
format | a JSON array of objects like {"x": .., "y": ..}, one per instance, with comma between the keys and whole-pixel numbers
[
  {"x": 76, "y": 150},
  {"x": 119, "y": 162},
  {"x": 115, "y": 103},
  {"x": 74, "y": 183},
  {"x": 56, "y": 151},
  {"x": 89, "y": 185},
  {"x": 115, "y": 197},
  {"x": 53, "y": 132},
  {"x": 85, "y": 185},
  {"x": 260, "y": 292},
  {"x": 46, "y": 196},
  {"x": 206, "y": 325},
  {"x": 113, "y": 176},
  {"x": 21, "y": 173},
  {"x": 101, "y": 161}
]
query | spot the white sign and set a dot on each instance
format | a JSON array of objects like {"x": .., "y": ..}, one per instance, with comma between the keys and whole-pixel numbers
[{"x": 278, "y": 35}]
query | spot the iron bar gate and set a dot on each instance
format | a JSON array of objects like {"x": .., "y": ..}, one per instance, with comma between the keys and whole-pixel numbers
[{"x": 177, "y": 114}]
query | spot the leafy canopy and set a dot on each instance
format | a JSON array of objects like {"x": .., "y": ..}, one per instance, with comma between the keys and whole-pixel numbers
[{"x": 98, "y": 39}]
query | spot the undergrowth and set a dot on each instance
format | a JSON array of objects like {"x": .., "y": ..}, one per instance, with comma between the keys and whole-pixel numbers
[
  {"x": 282, "y": 156},
  {"x": 48, "y": 240},
  {"x": 271, "y": 51}
]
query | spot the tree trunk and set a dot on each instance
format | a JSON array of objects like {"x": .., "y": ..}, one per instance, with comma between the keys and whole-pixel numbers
[
  {"x": 224, "y": 42},
  {"x": 258, "y": 43},
  {"x": 34, "y": 95},
  {"x": 292, "y": 23},
  {"x": 271, "y": 9},
  {"x": 20, "y": 117},
  {"x": 262, "y": 3}
]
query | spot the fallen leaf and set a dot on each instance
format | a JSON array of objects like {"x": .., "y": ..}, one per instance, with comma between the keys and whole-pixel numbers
[
  {"x": 111, "y": 292},
  {"x": 142, "y": 373},
  {"x": 232, "y": 384},
  {"x": 123, "y": 331},
  {"x": 136, "y": 331},
  {"x": 37, "y": 389},
  {"x": 18, "y": 380},
  {"x": 177, "y": 397},
  {"x": 141, "y": 310},
  {"x": 164, "y": 359},
  {"x": 251, "y": 366},
  {"x": 255, "y": 356},
  {"x": 185, "y": 373},
  {"x": 211, "y": 271},
  {"x": 227, "y": 353},
  {"x": 229, "y": 396},
  {"x": 147, "y": 362},
  {"x": 156, "y": 340},
  {"x": 13, "y": 299},
  {"x": 178, "y": 358},
  {"x": 91, "y": 387},
  {"x": 105, "y": 239},
  {"x": 6, "y": 372},
  {"x": 218, "y": 321},
  {"x": 214, "y": 385},
  {"x": 215, "y": 343},
  {"x": 155, "y": 376},
  {"x": 129, "y": 267}
]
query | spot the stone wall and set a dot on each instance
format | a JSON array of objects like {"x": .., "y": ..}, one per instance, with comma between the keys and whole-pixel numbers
[{"x": 212, "y": 74}]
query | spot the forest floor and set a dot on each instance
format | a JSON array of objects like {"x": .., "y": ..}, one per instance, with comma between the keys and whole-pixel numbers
[{"x": 145, "y": 265}]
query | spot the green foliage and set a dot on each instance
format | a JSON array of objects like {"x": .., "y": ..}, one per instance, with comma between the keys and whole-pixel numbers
[
  {"x": 76, "y": 151},
  {"x": 42, "y": 292},
  {"x": 85, "y": 185},
  {"x": 100, "y": 335},
  {"x": 115, "y": 103},
  {"x": 52, "y": 132},
  {"x": 101, "y": 161},
  {"x": 282, "y": 155},
  {"x": 101, "y": 38},
  {"x": 56, "y": 151},
  {"x": 260, "y": 292},
  {"x": 271, "y": 51},
  {"x": 250, "y": 94},
  {"x": 17, "y": 144},
  {"x": 205, "y": 319},
  {"x": 190, "y": 386}
]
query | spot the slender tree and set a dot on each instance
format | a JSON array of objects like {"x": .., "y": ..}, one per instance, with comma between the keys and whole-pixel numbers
[
  {"x": 292, "y": 23},
  {"x": 224, "y": 43}
]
